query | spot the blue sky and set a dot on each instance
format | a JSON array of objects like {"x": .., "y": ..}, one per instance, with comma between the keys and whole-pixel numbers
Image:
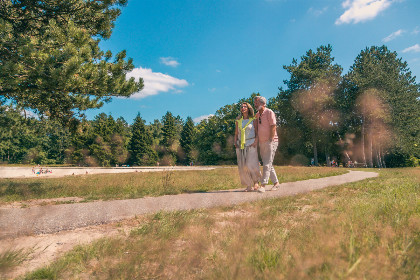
[{"x": 197, "y": 56}]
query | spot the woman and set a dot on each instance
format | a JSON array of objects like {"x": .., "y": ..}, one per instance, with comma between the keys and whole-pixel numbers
[{"x": 246, "y": 148}]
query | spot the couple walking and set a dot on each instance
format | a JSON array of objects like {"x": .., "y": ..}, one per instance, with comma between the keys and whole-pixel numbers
[{"x": 252, "y": 130}]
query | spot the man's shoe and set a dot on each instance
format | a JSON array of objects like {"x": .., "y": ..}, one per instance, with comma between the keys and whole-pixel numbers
[{"x": 261, "y": 190}]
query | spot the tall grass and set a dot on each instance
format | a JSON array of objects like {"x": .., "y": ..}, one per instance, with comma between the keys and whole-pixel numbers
[
  {"x": 363, "y": 230},
  {"x": 135, "y": 185}
]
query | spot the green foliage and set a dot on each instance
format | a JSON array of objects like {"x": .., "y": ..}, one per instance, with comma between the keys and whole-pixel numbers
[
  {"x": 187, "y": 139},
  {"x": 50, "y": 60},
  {"x": 307, "y": 110},
  {"x": 381, "y": 99},
  {"x": 140, "y": 146}
]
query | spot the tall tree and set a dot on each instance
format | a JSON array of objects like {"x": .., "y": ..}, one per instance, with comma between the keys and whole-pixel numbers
[
  {"x": 50, "y": 59},
  {"x": 382, "y": 101},
  {"x": 187, "y": 139},
  {"x": 308, "y": 104},
  {"x": 140, "y": 146}
]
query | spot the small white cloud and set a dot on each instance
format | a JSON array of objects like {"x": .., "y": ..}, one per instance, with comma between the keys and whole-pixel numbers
[
  {"x": 201, "y": 118},
  {"x": 416, "y": 30},
  {"x": 218, "y": 71},
  {"x": 169, "y": 61},
  {"x": 155, "y": 82},
  {"x": 362, "y": 10},
  {"x": 415, "y": 48},
  {"x": 317, "y": 12},
  {"x": 393, "y": 35},
  {"x": 212, "y": 89}
]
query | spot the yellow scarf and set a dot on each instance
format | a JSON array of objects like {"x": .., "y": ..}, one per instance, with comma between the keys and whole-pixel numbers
[{"x": 243, "y": 130}]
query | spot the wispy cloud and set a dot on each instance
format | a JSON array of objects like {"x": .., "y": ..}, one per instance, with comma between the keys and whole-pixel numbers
[
  {"x": 416, "y": 30},
  {"x": 362, "y": 10},
  {"x": 201, "y": 118},
  {"x": 317, "y": 12},
  {"x": 415, "y": 48},
  {"x": 169, "y": 61},
  {"x": 393, "y": 35},
  {"x": 155, "y": 82}
]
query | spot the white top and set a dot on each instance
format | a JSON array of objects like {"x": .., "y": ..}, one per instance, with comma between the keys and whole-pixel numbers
[{"x": 249, "y": 133}]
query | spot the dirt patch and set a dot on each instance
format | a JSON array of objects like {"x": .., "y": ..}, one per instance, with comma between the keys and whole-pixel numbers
[
  {"x": 46, "y": 248},
  {"x": 40, "y": 202}
]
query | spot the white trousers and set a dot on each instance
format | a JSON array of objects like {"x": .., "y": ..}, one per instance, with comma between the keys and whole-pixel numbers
[
  {"x": 248, "y": 165},
  {"x": 267, "y": 152}
]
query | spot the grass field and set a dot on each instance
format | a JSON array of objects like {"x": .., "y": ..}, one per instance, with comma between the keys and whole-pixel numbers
[
  {"x": 135, "y": 185},
  {"x": 364, "y": 230}
]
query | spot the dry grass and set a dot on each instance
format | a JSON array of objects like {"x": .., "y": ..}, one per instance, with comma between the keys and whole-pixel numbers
[
  {"x": 364, "y": 230},
  {"x": 136, "y": 185}
]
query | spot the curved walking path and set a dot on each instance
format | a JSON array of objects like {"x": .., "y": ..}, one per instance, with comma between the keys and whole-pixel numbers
[{"x": 15, "y": 222}]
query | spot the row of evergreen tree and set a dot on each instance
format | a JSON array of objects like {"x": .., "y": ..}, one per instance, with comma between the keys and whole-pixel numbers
[{"x": 370, "y": 115}]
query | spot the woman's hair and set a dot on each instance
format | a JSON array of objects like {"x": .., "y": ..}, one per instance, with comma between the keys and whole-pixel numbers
[{"x": 251, "y": 113}]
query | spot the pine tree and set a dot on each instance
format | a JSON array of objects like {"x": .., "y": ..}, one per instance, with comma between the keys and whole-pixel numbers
[
  {"x": 140, "y": 146},
  {"x": 381, "y": 100},
  {"x": 168, "y": 131},
  {"x": 50, "y": 59},
  {"x": 187, "y": 138}
]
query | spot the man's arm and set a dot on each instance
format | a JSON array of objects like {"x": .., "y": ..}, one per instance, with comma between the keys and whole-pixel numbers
[{"x": 272, "y": 132}]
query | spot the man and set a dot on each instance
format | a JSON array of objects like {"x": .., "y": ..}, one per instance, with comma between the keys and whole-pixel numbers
[{"x": 268, "y": 141}]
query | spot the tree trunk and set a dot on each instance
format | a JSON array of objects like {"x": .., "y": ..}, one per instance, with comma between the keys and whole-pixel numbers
[
  {"x": 370, "y": 151},
  {"x": 327, "y": 158},
  {"x": 315, "y": 151},
  {"x": 363, "y": 142}
]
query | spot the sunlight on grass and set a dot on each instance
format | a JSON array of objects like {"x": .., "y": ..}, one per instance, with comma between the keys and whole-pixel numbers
[
  {"x": 363, "y": 230},
  {"x": 135, "y": 185}
]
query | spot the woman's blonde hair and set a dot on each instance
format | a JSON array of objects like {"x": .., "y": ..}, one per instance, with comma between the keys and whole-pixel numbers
[{"x": 251, "y": 113}]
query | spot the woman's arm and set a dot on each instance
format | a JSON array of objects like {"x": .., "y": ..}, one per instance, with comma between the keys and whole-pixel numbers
[{"x": 256, "y": 133}]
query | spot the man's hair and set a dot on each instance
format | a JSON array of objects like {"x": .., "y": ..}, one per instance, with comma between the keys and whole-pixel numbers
[{"x": 261, "y": 99}]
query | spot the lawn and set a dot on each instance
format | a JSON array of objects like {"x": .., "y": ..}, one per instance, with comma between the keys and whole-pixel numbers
[
  {"x": 364, "y": 230},
  {"x": 136, "y": 185}
]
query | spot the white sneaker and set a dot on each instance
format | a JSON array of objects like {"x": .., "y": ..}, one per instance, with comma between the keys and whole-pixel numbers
[
  {"x": 275, "y": 187},
  {"x": 261, "y": 190}
]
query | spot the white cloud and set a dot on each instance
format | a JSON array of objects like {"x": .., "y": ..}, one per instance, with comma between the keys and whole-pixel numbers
[
  {"x": 212, "y": 89},
  {"x": 416, "y": 30},
  {"x": 169, "y": 61},
  {"x": 393, "y": 35},
  {"x": 362, "y": 10},
  {"x": 415, "y": 48},
  {"x": 205, "y": 117},
  {"x": 155, "y": 82},
  {"x": 317, "y": 12}
]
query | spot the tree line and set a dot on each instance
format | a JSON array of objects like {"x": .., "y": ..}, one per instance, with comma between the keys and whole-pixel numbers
[
  {"x": 51, "y": 64},
  {"x": 369, "y": 116}
]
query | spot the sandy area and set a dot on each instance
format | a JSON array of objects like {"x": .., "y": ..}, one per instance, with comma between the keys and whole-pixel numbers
[{"x": 29, "y": 172}]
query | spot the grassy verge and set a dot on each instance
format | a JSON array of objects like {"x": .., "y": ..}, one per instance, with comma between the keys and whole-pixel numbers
[
  {"x": 363, "y": 230},
  {"x": 135, "y": 185}
]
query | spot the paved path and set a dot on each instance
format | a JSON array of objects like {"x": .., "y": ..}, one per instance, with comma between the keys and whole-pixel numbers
[{"x": 52, "y": 218}]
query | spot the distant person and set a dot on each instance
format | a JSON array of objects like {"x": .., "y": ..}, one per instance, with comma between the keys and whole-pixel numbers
[
  {"x": 246, "y": 148},
  {"x": 267, "y": 140}
]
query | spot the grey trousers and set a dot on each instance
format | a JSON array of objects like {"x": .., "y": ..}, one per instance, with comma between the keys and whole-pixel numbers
[{"x": 267, "y": 152}]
